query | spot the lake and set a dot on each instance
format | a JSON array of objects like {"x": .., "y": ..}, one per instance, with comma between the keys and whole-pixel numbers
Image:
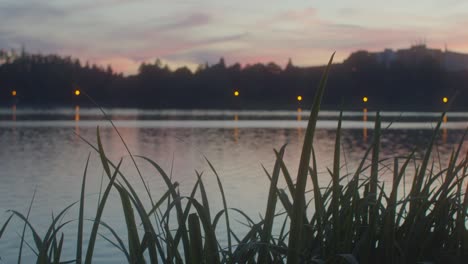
[{"x": 41, "y": 150}]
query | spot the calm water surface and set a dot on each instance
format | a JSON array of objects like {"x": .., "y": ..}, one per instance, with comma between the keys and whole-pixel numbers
[{"x": 41, "y": 151}]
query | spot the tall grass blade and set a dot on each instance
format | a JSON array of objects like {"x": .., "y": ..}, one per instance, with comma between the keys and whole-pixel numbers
[
  {"x": 270, "y": 209},
  {"x": 53, "y": 249},
  {"x": 419, "y": 178},
  {"x": 318, "y": 199},
  {"x": 296, "y": 227},
  {"x": 161, "y": 200},
  {"x": 204, "y": 197},
  {"x": 102, "y": 155},
  {"x": 373, "y": 181},
  {"x": 175, "y": 195},
  {"x": 242, "y": 253},
  {"x": 24, "y": 227},
  {"x": 287, "y": 177},
  {"x": 79, "y": 241},
  {"x": 132, "y": 232},
  {"x": 36, "y": 237},
  {"x": 4, "y": 226},
  {"x": 185, "y": 214},
  {"x": 115, "y": 245},
  {"x": 464, "y": 209},
  {"x": 120, "y": 244},
  {"x": 196, "y": 248},
  {"x": 375, "y": 158},
  {"x": 153, "y": 243},
  {"x": 123, "y": 142},
  {"x": 352, "y": 194},
  {"x": 211, "y": 244},
  {"x": 228, "y": 226},
  {"x": 92, "y": 238},
  {"x": 139, "y": 207},
  {"x": 285, "y": 202},
  {"x": 50, "y": 234},
  {"x": 58, "y": 253},
  {"x": 390, "y": 224},
  {"x": 336, "y": 186}
]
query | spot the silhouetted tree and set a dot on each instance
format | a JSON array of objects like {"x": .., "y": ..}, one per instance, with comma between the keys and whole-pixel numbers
[{"x": 413, "y": 80}]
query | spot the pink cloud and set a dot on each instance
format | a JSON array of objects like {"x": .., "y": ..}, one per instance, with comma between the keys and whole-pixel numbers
[
  {"x": 120, "y": 64},
  {"x": 307, "y": 35}
]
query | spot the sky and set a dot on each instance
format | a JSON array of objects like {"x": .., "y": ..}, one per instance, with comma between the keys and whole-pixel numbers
[{"x": 125, "y": 33}]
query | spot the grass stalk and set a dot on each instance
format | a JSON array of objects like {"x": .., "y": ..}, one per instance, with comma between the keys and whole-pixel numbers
[{"x": 296, "y": 227}]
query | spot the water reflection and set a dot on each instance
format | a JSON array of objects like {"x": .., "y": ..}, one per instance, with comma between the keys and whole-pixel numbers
[
  {"x": 299, "y": 119},
  {"x": 13, "y": 118},
  {"x": 46, "y": 150},
  {"x": 236, "y": 128},
  {"x": 13, "y": 112},
  {"x": 77, "y": 119},
  {"x": 444, "y": 129},
  {"x": 364, "y": 121}
]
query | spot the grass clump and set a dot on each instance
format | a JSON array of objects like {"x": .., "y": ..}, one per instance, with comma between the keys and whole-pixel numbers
[{"x": 355, "y": 219}]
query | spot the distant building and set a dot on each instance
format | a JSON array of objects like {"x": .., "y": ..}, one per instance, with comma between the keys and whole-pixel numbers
[
  {"x": 419, "y": 53},
  {"x": 386, "y": 57},
  {"x": 454, "y": 61},
  {"x": 449, "y": 60}
]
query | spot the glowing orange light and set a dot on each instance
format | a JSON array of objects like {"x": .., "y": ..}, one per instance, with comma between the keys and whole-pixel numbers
[
  {"x": 236, "y": 93},
  {"x": 445, "y": 100},
  {"x": 365, "y": 99},
  {"x": 299, "y": 98},
  {"x": 13, "y": 93},
  {"x": 77, "y": 92}
]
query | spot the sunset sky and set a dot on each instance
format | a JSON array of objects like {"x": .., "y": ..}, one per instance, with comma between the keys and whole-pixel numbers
[{"x": 125, "y": 33}]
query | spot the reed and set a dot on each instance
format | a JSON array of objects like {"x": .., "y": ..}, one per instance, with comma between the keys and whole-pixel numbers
[{"x": 354, "y": 219}]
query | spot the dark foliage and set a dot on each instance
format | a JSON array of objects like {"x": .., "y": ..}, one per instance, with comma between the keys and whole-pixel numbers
[{"x": 406, "y": 83}]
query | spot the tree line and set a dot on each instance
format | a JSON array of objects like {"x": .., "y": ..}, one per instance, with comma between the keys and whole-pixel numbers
[{"x": 50, "y": 80}]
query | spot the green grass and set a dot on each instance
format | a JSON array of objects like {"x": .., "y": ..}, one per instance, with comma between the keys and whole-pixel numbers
[{"x": 354, "y": 219}]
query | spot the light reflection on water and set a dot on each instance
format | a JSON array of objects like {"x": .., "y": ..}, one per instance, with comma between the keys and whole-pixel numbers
[
  {"x": 364, "y": 125},
  {"x": 43, "y": 152}
]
